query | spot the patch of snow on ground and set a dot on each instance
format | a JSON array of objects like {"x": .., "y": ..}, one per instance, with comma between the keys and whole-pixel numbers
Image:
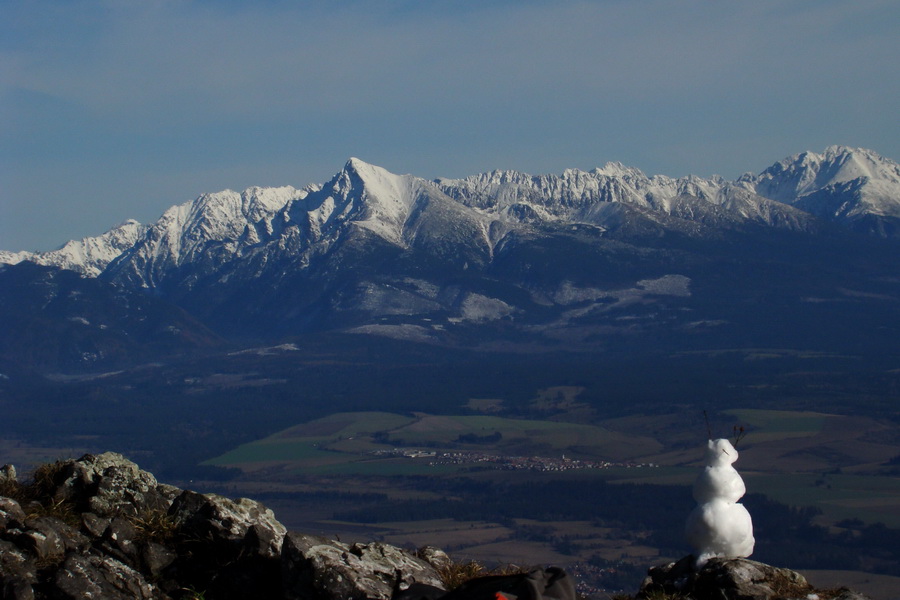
[
  {"x": 404, "y": 331},
  {"x": 481, "y": 308},
  {"x": 268, "y": 351},
  {"x": 570, "y": 294},
  {"x": 425, "y": 288},
  {"x": 667, "y": 285},
  {"x": 706, "y": 323}
]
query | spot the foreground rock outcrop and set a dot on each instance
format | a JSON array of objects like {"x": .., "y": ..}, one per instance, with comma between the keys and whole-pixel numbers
[
  {"x": 733, "y": 579},
  {"x": 100, "y": 527}
]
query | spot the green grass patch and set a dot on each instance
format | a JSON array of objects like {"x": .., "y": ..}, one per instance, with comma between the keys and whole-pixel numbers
[
  {"x": 781, "y": 421},
  {"x": 869, "y": 498},
  {"x": 343, "y": 425},
  {"x": 764, "y": 426},
  {"x": 268, "y": 451},
  {"x": 521, "y": 436},
  {"x": 345, "y": 442}
]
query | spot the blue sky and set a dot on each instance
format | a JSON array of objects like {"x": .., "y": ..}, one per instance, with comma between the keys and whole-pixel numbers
[{"x": 118, "y": 109}]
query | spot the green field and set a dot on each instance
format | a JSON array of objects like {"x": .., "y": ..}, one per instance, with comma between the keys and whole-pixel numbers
[
  {"x": 870, "y": 498},
  {"x": 345, "y": 442},
  {"x": 311, "y": 445},
  {"x": 798, "y": 458},
  {"x": 780, "y": 424}
]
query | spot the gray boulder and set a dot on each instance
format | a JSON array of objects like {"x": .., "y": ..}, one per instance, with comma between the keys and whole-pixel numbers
[
  {"x": 91, "y": 576},
  {"x": 17, "y": 572},
  {"x": 119, "y": 541},
  {"x": 726, "y": 579},
  {"x": 845, "y": 594},
  {"x": 7, "y": 475},
  {"x": 436, "y": 557},
  {"x": 48, "y": 538},
  {"x": 313, "y": 567},
  {"x": 11, "y": 514},
  {"x": 243, "y": 521},
  {"x": 155, "y": 558},
  {"x": 230, "y": 548},
  {"x": 109, "y": 485},
  {"x": 94, "y": 525}
]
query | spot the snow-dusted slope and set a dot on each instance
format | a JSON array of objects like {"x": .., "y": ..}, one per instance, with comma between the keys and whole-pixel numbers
[
  {"x": 230, "y": 235},
  {"x": 219, "y": 227},
  {"x": 842, "y": 183},
  {"x": 468, "y": 218},
  {"x": 585, "y": 197},
  {"x": 88, "y": 256}
]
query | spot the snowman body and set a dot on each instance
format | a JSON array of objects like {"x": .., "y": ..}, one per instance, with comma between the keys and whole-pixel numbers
[{"x": 719, "y": 526}]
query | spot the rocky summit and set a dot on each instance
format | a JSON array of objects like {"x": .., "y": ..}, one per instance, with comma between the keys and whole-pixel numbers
[{"x": 100, "y": 527}]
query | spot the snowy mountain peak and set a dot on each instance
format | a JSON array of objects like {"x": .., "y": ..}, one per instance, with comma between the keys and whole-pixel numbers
[
  {"x": 375, "y": 180},
  {"x": 362, "y": 167},
  {"x": 88, "y": 256},
  {"x": 840, "y": 183},
  {"x": 617, "y": 169},
  {"x": 370, "y": 196},
  {"x": 810, "y": 171}
]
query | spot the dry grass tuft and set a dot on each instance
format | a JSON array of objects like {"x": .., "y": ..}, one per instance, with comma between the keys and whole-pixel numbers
[
  {"x": 659, "y": 594},
  {"x": 828, "y": 594},
  {"x": 45, "y": 479},
  {"x": 37, "y": 498},
  {"x": 455, "y": 574},
  {"x": 155, "y": 526},
  {"x": 58, "y": 509}
]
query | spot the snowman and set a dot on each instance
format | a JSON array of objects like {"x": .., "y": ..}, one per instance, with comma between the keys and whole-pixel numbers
[{"x": 719, "y": 526}]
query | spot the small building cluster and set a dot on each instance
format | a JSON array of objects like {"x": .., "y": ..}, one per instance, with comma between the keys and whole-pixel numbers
[{"x": 499, "y": 461}]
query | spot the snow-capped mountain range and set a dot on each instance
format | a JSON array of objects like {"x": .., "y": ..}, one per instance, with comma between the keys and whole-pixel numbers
[
  {"x": 376, "y": 252},
  {"x": 854, "y": 187}
]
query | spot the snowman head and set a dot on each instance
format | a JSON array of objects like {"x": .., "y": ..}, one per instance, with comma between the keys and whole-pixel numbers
[{"x": 720, "y": 453}]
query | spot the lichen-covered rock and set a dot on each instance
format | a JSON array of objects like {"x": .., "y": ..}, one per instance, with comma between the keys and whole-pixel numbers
[
  {"x": 217, "y": 518},
  {"x": 118, "y": 540},
  {"x": 436, "y": 557},
  {"x": 90, "y": 576},
  {"x": 109, "y": 484},
  {"x": 93, "y": 524},
  {"x": 17, "y": 572},
  {"x": 155, "y": 558},
  {"x": 845, "y": 594},
  {"x": 48, "y": 538},
  {"x": 168, "y": 492},
  {"x": 230, "y": 547},
  {"x": 7, "y": 475},
  {"x": 725, "y": 579},
  {"x": 11, "y": 514},
  {"x": 315, "y": 567}
]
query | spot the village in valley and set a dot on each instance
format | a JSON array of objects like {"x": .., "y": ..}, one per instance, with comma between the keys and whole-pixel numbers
[{"x": 503, "y": 462}]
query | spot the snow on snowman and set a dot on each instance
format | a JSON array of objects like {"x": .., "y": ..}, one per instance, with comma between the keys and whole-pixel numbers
[{"x": 719, "y": 526}]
